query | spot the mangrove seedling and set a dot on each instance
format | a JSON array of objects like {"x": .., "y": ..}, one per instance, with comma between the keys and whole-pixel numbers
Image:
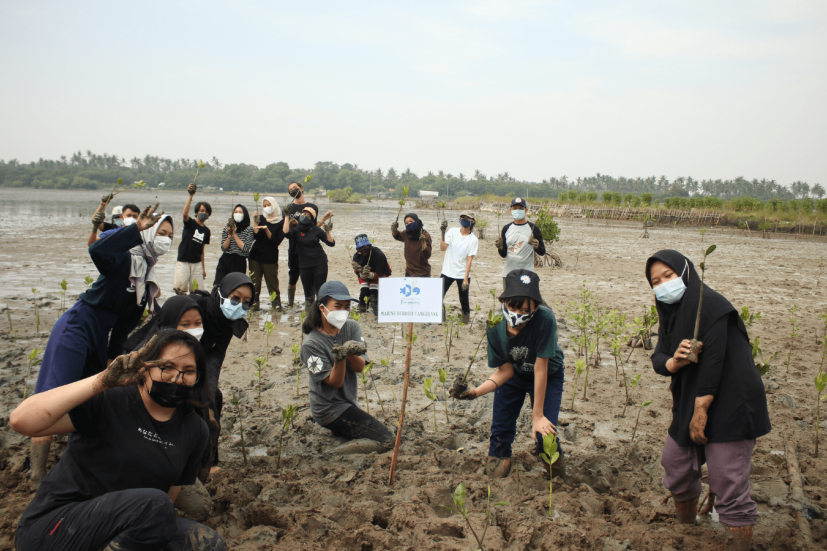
[
  {"x": 405, "y": 190},
  {"x": 30, "y": 357},
  {"x": 427, "y": 388},
  {"x": 241, "y": 426},
  {"x": 136, "y": 185},
  {"x": 88, "y": 280},
  {"x": 451, "y": 333},
  {"x": 550, "y": 455},
  {"x": 364, "y": 375},
  {"x": 643, "y": 405},
  {"x": 354, "y": 315},
  {"x": 820, "y": 269},
  {"x": 194, "y": 284},
  {"x": 459, "y": 383},
  {"x": 268, "y": 328},
  {"x": 301, "y": 323},
  {"x": 821, "y": 384},
  {"x": 494, "y": 297},
  {"x": 296, "y": 351},
  {"x": 702, "y": 231},
  {"x": 442, "y": 378},
  {"x": 393, "y": 339},
  {"x": 629, "y": 400},
  {"x": 471, "y": 325},
  {"x": 63, "y": 286},
  {"x": 8, "y": 315},
  {"x": 386, "y": 362},
  {"x": 793, "y": 334},
  {"x": 459, "y": 498},
  {"x": 287, "y": 414},
  {"x": 36, "y": 311},
  {"x": 695, "y": 345},
  {"x": 579, "y": 366},
  {"x": 260, "y": 363}
]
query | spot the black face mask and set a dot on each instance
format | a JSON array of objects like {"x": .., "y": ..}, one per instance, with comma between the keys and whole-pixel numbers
[
  {"x": 305, "y": 221},
  {"x": 296, "y": 193},
  {"x": 170, "y": 395}
]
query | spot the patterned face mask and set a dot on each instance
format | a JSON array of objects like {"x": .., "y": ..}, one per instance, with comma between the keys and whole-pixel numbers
[{"x": 513, "y": 319}]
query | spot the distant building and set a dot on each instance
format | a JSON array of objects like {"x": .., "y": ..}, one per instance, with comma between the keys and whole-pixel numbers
[
  {"x": 162, "y": 184},
  {"x": 423, "y": 193}
]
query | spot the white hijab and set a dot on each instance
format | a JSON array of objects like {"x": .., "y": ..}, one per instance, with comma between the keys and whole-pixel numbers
[
  {"x": 276, "y": 216},
  {"x": 142, "y": 273}
]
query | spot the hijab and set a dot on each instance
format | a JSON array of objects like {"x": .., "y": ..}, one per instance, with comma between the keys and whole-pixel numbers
[
  {"x": 276, "y": 216},
  {"x": 142, "y": 272},
  {"x": 677, "y": 321},
  {"x": 212, "y": 318},
  {"x": 168, "y": 317},
  {"x": 245, "y": 223},
  {"x": 413, "y": 235}
]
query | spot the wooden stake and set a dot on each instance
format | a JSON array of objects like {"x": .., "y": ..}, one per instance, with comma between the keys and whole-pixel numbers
[{"x": 402, "y": 408}]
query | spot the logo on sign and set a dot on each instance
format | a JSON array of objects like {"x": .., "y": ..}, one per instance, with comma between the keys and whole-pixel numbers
[{"x": 407, "y": 290}]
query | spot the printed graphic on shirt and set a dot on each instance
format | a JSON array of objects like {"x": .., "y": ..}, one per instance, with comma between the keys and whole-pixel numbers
[
  {"x": 314, "y": 364},
  {"x": 515, "y": 248},
  {"x": 198, "y": 236},
  {"x": 154, "y": 437},
  {"x": 518, "y": 355}
]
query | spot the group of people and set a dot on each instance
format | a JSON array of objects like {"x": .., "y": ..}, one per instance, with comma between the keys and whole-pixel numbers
[{"x": 143, "y": 407}]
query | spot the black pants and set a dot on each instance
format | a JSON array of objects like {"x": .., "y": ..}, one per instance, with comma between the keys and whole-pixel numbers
[
  {"x": 463, "y": 295},
  {"x": 270, "y": 274},
  {"x": 292, "y": 268},
  {"x": 355, "y": 423},
  {"x": 136, "y": 520},
  {"x": 227, "y": 264},
  {"x": 313, "y": 279}
]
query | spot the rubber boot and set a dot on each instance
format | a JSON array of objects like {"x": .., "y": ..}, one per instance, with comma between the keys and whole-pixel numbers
[
  {"x": 738, "y": 538},
  {"x": 687, "y": 511},
  {"x": 308, "y": 305},
  {"x": 291, "y": 295},
  {"x": 498, "y": 467},
  {"x": 466, "y": 318},
  {"x": 362, "y": 307},
  {"x": 374, "y": 303},
  {"x": 276, "y": 304},
  {"x": 39, "y": 457}
]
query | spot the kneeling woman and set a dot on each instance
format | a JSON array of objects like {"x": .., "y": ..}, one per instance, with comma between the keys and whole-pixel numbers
[
  {"x": 719, "y": 406},
  {"x": 136, "y": 439},
  {"x": 523, "y": 347},
  {"x": 334, "y": 352}
]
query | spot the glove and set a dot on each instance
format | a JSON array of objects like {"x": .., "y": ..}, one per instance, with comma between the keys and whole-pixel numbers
[
  {"x": 356, "y": 266},
  {"x": 350, "y": 348},
  {"x": 328, "y": 226},
  {"x": 443, "y": 227},
  {"x": 97, "y": 219},
  {"x": 499, "y": 243},
  {"x": 191, "y": 189},
  {"x": 394, "y": 226},
  {"x": 106, "y": 198},
  {"x": 366, "y": 273}
]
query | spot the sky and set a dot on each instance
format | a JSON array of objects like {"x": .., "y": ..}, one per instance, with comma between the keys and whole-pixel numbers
[{"x": 707, "y": 89}]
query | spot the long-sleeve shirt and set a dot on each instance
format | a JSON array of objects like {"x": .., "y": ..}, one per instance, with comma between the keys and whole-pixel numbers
[
  {"x": 266, "y": 249},
  {"x": 416, "y": 258},
  {"x": 308, "y": 245},
  {"x": 725, "y": 370},
  {"x": 517, "y": 251},
  {"x": 247, "y": 237}
]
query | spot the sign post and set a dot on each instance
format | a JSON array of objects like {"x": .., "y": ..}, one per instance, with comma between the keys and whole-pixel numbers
[{"x": 411, "y": 300}]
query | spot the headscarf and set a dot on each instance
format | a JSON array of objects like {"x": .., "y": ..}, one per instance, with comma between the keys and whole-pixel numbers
[
  {"x": 142, "y": 272},
  {"x": 416, "y": 233},
  {"x": 245, "y": 222},
  {"x": 213, "y": 319},
  {"x": 276, "y": 216},
  {"x": 677, "y": 321},
  {"x": 168, "y": 317}
]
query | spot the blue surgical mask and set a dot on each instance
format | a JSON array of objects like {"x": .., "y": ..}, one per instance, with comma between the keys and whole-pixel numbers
[
  {"x": 465, "y": 223},
  {"x": 518, "y": 214},
  {"x": 118, "y": 222},
  {"x": 231, "y": 311},
  {"x": 671, "y": 291}
]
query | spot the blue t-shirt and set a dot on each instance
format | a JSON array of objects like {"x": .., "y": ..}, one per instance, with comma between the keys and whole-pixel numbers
[{"x": 538, "y": 339}]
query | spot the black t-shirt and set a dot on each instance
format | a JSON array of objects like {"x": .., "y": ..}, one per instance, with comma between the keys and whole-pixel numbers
[
  {"x": 119, "y": 446},
  {"x": 538, "y": 339},
  {"x": 376, "y": 260},
  {"x": 295, "y": 212},
  {"x": 309, "y": 246},
  {"x": 193, "y": 239},
  {"x": 266, "y": 250}
]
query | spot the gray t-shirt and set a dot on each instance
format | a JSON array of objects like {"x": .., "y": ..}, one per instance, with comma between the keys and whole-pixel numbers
[
  {"x": 520, "y": 254},
  {"x": 327, "y": 403}
]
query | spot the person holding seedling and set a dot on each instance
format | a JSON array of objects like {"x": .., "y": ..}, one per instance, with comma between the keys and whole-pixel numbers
[
  {"x": 236, "y": 241},
  {"x": 719, "y": 406},
  {"x": 460, "y": 246},
  {"x": 519, "y": 240},
  {"x": 135, "y": 439},
  {"x": 417, "y": 246},
  {"x": 121, "y": 216},
  {"x": 523, "y": 348},
  {"x": 190, "y": 265},
  {"x": 369, "y": 264},
  {"x": 264, "y": 257},
  {"x": 80, "y": 341},
  {"x": 334, "y": 352},
  {"x": 307, "y": 238}
]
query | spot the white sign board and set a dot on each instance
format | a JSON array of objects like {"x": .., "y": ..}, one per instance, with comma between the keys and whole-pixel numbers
[{"x": 416, "y": 299}]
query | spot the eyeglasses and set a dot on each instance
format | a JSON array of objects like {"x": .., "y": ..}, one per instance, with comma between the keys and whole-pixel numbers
[
  {"x": 170, "y": 375},
  {"x": 235, "y": 302}
]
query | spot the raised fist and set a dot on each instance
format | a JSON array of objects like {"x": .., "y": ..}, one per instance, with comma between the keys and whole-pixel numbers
[
  {"x": 192, "y": 188},
  {"x": 443, "y": 227},
  {"x": 97, "y": 219},
  {"x": 394, "y": 226}
]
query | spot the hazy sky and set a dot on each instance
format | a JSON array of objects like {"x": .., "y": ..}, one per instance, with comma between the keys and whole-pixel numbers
[{"x": 711, "y": 89}]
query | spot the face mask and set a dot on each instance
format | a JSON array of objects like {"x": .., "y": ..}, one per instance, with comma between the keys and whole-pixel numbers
[
  {"x": 128, "y": 221},
  {"x": 170, "y": 395},
  {"x": 195, "y": 332},
  {"x": 161, "y": 244},
  {"x": 202, "y": 216},
  {"x": 412, "y": 227},
  {"x": 269, "y": 210},
  {"x": 514, "y": 319},
  {"x": 231, "y": 311},
  {"x": 238, "y": 217},
  {"x": 518, "y": 214},
  {"x": 464, "y": 223},
  {"x": 671, "y": 291},
  {"x": 296, "y": 193},
  {"x": 118, "y": 222},
  {"x": 304, "y": 220},
  {"x": 337, "y": 318}
]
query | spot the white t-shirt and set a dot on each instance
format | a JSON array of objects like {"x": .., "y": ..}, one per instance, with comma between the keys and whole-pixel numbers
[
  {"x": 520, "y": 254},
  {"x": 460, "y": 247}
]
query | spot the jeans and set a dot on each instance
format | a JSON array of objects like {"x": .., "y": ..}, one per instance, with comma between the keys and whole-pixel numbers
[
  {"x": 463, "y": 295},
  {"x": 508, "y": 403},
  {"x": 270, "y": 274},
  {"x": 355, "y": 423},
  {"x": 312, "y": 280},
  {"x": 132, "y": 520}
]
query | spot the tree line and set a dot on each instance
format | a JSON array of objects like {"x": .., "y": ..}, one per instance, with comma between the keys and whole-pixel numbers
[{"x": 93, "y": 171}]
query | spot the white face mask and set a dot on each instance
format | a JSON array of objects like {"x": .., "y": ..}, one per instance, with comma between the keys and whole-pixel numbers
[
  {"x": 195, "y": 332},
  {"x": 161, "y": 244},
  {"x": 336, "y": 318},
  {"x": 671, "y": 291},
  {"x": 128, "y": 221},
  {"x": 238, "y": 217},
  {"x": 269, "y": 210}
]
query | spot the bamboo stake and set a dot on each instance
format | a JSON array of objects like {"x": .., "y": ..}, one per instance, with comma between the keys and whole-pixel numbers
[{"x": 402, "y": 408}]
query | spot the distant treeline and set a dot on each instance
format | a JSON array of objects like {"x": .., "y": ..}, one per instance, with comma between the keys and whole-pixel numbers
[{"x": 92, "y": 171}]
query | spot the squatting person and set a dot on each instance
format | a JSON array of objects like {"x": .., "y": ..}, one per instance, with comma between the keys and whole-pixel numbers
[
  {"x": 417, "y": 246},
  {"x": 369, "y": 264},
  {"x": 719, "y": 406},
  {"x": 190, "y": 265},
  {"x": 519, "y": 240},
  {"x": 460, "y": 246}
]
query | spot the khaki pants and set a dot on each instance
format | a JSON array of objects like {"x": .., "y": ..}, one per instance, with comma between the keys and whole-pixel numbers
[
  {"x": 271, "y": 276},
  {"x": 185, "y": 273}
]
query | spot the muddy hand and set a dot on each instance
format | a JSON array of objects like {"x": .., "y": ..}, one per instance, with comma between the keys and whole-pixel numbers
[
  {"x": 394, "y": 226},
  {"x": 366, "y": 273},
  {"x": 464, "y": 285},
  {"x": 328, "y": 226},
  {"x": 533, "y": 242},
  {"x": 97, "y": 219},
  {"x": 499, "y": 243},
  {"x": 697, "y": 427},
  {"x": 129, "y": 369},
  {"x": 350, "y": 348},
  {"x": 467, "y": 394},
  {"x": 148, "y": 218},
  {"x": 191, "y": 189},
  {"x": 356, "y": 266},
  {"x": 443, "y": 227},
  {"x": 286, "y": 210},
  {"x": 106, "y": 198}
]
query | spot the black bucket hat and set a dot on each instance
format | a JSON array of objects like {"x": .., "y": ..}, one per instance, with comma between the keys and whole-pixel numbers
[{"x": 522, "y": 283}]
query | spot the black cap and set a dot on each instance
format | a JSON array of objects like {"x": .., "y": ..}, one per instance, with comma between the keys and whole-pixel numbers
[
  {"x": 335, "y": 290},
  {"x": 522, "y": 283}
]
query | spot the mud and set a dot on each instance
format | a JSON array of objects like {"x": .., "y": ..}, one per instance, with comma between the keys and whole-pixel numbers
[{"x": 329, "y": 494}]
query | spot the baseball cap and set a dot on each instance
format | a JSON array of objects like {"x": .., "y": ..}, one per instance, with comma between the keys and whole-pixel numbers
[
  {"x": 519, "y": 201},
  {"x": 522, "y": 283},
  {"x": 336, "y": 290},
  {"x": 117, "y": 211},
  {"x": 469, "y": 214}
]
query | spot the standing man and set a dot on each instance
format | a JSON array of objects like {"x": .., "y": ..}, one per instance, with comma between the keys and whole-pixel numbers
[
  {"x": 292, "y": 211},
  {"x": 190, "y": 266},
  {"x": 519, "y": 240},
  {"x": 126, "y": 215},
  {"x": 460, "y": 246}
]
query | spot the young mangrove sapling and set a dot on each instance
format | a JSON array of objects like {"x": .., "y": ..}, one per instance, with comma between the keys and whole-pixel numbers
[
  {"x": 793, "y": 334},
  {"x": 459, "y": 498},
  {"x": 260, "y": 363},
  {"x": 88, "y": 280},
  {"x": 442, "y": 378},
  {"x": 695, "y": 345},
  {"x": 63, "y": 286},
  {"x": 287, "y": 414},
  {"x": 296, "y": 362},
  {"x": 405, "y": 190},
  {"x": 241, "y": 426},
  {"x": 629, "y": 400},
  {"x": 8, "y": 315},
  {"x": 30, "y": 358},
  {"x": 386, "y": 362},
  {"x": 579, "y": 366},
  {"x": 460, "y": 385},
  {"x": 550, "y": 455},
  {"x": 36, "y": 311},
  {"x": 821, "y": 384},
  {"x": 427, "y": 388},
  {"x": 643, "y": 405}
]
